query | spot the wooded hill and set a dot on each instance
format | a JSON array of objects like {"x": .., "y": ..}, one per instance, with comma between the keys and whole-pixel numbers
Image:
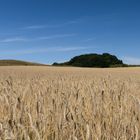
[{"x": 93, "y": 60}]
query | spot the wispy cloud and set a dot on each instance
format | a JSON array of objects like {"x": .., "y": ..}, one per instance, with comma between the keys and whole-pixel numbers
[
  {"x": 55, "y": 36},
  {"x": 35, "y": 27},
  {"x": 15, "y": 39},
  {"x": 89, "y": 39},
  {"x": 41, "y": 50},
  {"x": 22, "y": 39},
  {"x": 67, "y": 49},
  {"x": 42, "y": 26},
  {"x": 131, "y": 60}
]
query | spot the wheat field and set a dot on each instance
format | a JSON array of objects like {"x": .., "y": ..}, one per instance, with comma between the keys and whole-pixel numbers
[{"x": 57, "y": 103}]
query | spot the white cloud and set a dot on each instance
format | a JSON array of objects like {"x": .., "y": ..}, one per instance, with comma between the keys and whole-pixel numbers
[
  {"x": 51, "y": 26},
  {"x": 131, "y": 60},
  {"x": 41, "y": 50},
  {"x": 22, "y": 39},
  {"x": 15, "y": 39},
  {"x": 89, "y": 39},
  {"x": 35, "y": 27},
  {"x": 55, "y": 36},
  {"x": 67, "y": 49}
]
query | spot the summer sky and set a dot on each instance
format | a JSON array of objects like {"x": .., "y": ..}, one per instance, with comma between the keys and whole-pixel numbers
[{"x": 48, "y": 31}]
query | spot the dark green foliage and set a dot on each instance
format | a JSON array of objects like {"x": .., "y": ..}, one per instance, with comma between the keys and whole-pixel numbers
[{"x": 93, "y": 60}]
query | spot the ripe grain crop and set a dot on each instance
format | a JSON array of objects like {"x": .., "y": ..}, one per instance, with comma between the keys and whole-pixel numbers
[{"x": 57, "y": 103}]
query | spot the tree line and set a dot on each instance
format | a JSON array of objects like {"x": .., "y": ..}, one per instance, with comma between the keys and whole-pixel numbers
[{"x": 93, "y": 60}]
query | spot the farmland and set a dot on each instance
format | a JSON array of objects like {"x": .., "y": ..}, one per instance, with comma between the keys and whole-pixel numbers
[{"x": 65, "y": 103}]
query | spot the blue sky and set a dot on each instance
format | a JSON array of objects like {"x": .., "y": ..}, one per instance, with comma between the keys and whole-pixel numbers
[{"x": 48, "y": 31}]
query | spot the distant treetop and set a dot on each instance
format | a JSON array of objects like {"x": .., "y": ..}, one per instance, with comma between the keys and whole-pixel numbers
[{"x": 93, "y": 60}]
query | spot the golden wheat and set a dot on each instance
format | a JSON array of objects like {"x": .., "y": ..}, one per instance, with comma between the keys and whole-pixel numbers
[{"x": 52, "y": 103}]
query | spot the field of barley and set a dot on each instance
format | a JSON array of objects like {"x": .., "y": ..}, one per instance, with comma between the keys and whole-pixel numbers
[{"x": 57, "y": 103}]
